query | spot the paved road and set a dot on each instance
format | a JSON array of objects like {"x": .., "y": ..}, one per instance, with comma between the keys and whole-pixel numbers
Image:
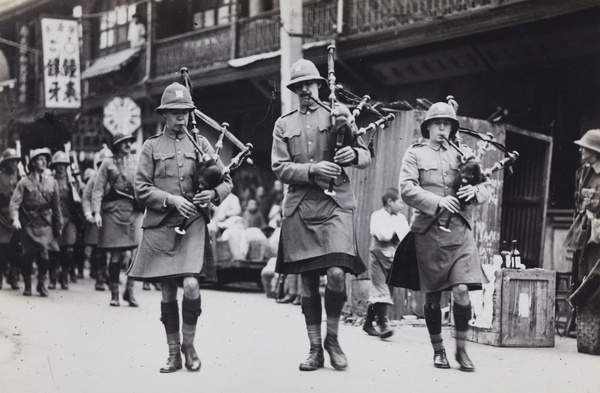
[{"x": 73, "y": 341}]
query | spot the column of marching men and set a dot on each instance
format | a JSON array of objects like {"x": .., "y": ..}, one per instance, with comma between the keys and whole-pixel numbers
[
  {"x": 48, "y": 217},
  {"x": 56, "y": 225}
]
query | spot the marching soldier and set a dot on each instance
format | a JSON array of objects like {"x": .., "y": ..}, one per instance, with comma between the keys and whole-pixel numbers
[
  {"x": 71, "y": 211},
  {"x": 317, "y": 230},
  {"x": 164, "y": 184},
  {"x": 116, "y": 212},
  {"x": 97, "y": 257},
  {"x": 9, "y": 238},
  {"x": 35, "y": 208},
  {"x": 447, "y": 260}
]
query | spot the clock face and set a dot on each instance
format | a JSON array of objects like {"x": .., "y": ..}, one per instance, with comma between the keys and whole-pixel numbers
[{"x": 122, "y": 114}]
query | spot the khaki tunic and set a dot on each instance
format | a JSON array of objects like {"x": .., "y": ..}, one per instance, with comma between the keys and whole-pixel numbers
[
  {"x": 445, "y": 259},
  {"x": 90, "y": 236},
  {"x": 121, "y": 219},
  {"x": 314, "y": 225},
  {"x": 167, "y": 166},
  {"x": 8, "y": 183},
  {"x": 71, "y": 211},
  {"x": 36, "y": 204}
]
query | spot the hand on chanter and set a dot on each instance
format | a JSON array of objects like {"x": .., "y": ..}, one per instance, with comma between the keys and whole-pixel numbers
[
  {"x": 183, "y": 206},
  {"x": 450, "y": 203},
  {"x": 203, "y": 197},
  {"x": 326, "y": 169},
  {"x": 467, "y": 192},
  {"x": 345, "y": 155}
]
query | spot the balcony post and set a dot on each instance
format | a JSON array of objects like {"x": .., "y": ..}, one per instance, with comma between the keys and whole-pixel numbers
[{"x": 291, "y": 48}]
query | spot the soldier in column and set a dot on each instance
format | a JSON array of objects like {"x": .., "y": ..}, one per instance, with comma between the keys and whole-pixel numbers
[
  {"x": 10, "y": 253},
  {"x": 72, "y": 213},
  {"x": 97, "y": 256},
  {"x": 448, "y": 260},
  {"x": 35, "y": 209},
  {"x": 164, "y": 183},
  {"x": 116, "y": 212},
  {"x": 318, "y": 235}
]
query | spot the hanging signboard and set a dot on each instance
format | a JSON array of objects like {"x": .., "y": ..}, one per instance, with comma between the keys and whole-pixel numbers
[{"x": 62, "y": 84}]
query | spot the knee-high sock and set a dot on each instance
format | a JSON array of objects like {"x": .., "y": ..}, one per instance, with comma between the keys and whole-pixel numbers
[
  {"x": 462, "y": 315},
  {"x": 170, "y": 316},
  {"x": 334, "y": 302},
  {"x": 433, "y": 320},
  {"x": 313, "y": 314}
]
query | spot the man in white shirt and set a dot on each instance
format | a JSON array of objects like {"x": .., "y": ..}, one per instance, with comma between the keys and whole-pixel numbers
[{"x": 388, "y": 227}]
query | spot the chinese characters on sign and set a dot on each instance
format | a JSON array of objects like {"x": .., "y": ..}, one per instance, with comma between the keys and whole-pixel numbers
[{"x": 62, "y": 85}]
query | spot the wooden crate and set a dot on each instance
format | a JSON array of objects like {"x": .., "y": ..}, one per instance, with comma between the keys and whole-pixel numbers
[{"x": 523, "y": 310}]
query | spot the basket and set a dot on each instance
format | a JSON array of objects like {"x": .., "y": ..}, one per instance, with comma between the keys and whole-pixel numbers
[{"x": 588, "y": 331}]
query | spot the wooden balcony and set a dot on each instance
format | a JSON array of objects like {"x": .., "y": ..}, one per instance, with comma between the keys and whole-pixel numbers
[{"x": 368, "y": 27}]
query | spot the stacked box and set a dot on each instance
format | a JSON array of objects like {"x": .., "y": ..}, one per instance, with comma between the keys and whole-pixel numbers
[{"x": 523, "y": 310}]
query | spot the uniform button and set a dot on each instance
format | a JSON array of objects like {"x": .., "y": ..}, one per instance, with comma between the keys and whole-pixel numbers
[
  {"x": 179, "y": 152},
  {"x": 446, "y": 187},
  {"x": 181, "y": 178},
  {"x": 311, "y": 160},
  {"x": 176, "y": 140},
  {"x": 180, "y": 165},
  {"x": 308, "y": 126},
  {"x": 309, "y": 143}
]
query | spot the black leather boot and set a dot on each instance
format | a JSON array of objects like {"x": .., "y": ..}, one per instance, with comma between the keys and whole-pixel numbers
[
  {"x": 336, "y": 355},
  {"x": 439, "y": 359},
  {"x": 382, "y": 320},
  {"x": 368, "y": 325},
  {"x": 128, "y": 294},
  {"x": 41, "y": 285},
  {"x": 114, "y": 295},
  {"x": 14, "y": 278},
  {"x": 315, "y": 360},
  {"x": 174, "y": 359}
]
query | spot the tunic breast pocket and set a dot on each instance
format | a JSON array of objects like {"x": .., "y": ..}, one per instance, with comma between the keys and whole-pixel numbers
[
  {"x": 164, "y": 164},
  {"x": 429, "y": 173},
  {"x": 294, "y": 142},
  {"x": 188, "y": 167}
]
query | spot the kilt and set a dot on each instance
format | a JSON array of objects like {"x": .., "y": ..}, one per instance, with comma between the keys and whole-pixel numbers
[
  {"x": 90, "y": 237},
  {"x": 121, "y": 225},
  {"x": 69, "y": 234},
  {"x": 318, "y": 235},
  {"x": 446, "y": 259},
  {"x": 164, "y": 253}
]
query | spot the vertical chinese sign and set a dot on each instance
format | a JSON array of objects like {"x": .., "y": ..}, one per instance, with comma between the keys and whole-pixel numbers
[{"x": 62, "y": 84}]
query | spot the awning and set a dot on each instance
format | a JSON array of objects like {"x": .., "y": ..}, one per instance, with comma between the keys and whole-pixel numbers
[{"x": 110, "y": 63}]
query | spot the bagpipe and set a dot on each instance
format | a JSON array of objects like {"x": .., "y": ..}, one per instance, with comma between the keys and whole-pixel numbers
[
  {"x": 209, "y": 174},
  {"x": 470, "y": 169},
  {"x": 343, "y": 134}
]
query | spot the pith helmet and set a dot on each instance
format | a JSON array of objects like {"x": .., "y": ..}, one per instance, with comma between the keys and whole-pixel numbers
[
  {"x": 34, "y": 153},
  {"x": 175, "y": 96},
  {"x": 590, "y": 140},
  {"x": 100, "y": 156},
  {"x": 120, "y": 137},
  {"x": 304, "y": 70},
  {"x": 440, "y": 110},
  {"x": 9, "y": 154},
  {"x": 60, "y": 157}
]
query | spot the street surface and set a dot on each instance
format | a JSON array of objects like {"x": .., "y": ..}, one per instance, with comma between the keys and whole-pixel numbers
[{"x": 73, "y": 341}]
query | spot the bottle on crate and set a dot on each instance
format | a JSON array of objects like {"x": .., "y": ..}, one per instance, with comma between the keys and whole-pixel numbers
[
  {"x": 505, "y": 254},
  {"x": 515, "y": 256}
]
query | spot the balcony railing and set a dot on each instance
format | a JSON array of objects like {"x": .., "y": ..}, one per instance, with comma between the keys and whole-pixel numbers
[
  {"x": 195, "y": 50},
  {"x": 259, "y": 34}
]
